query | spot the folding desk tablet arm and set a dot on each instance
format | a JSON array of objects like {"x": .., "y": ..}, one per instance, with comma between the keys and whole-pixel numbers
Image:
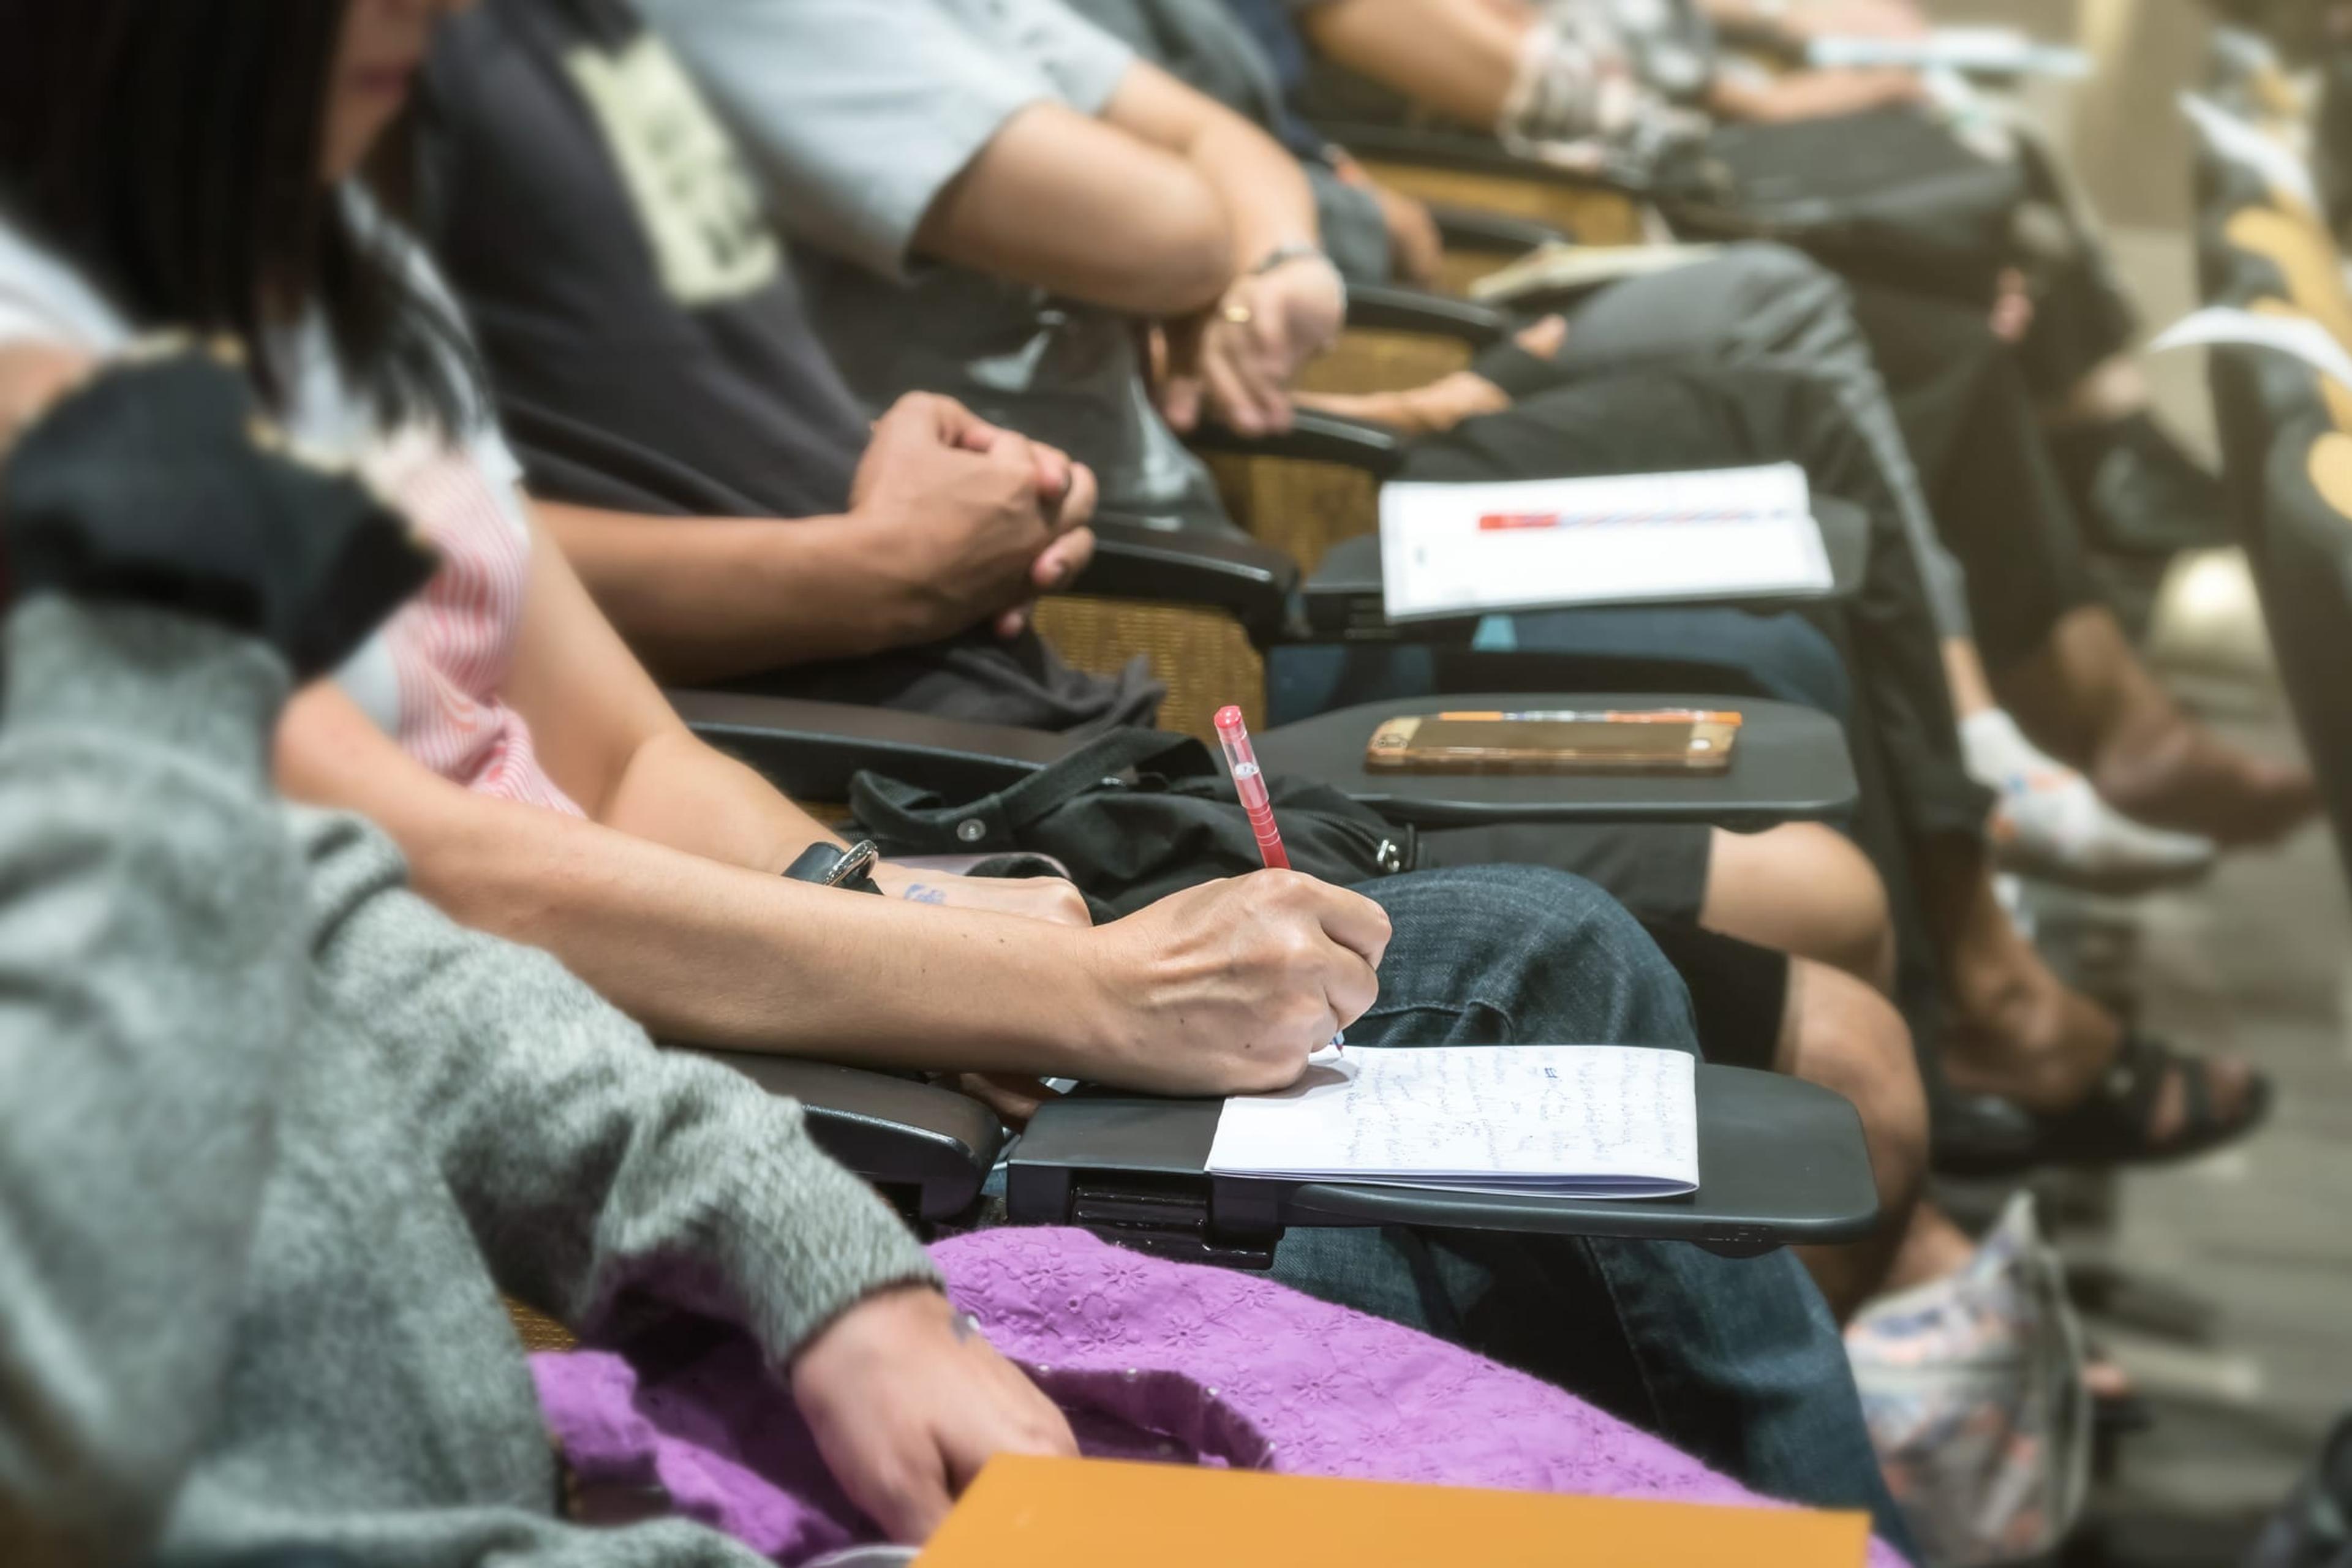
[{"x": 1785, "y": 1159}]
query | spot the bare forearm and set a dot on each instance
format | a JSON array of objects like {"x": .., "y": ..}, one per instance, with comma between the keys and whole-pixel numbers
[
  {"x": 706, "y": 599},
  {"x": 729, "y": 957},
  {"x": 697, "y": 938},
  {"x": 1062, "y": 201},
  {"x": 732, "y": 957},
  {"x": 680, "y": 793},
  {"x": 1258, "y": 185},
  {"x": 1269, "y": 203},
  {"x": 1458, "y": 58}
]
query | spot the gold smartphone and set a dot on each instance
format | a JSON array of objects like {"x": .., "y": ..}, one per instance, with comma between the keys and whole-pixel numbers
[{"x": 1659, "y": 741}]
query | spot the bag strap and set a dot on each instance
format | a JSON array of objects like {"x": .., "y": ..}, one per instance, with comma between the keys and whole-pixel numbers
[{"x": 902, "y": 811}]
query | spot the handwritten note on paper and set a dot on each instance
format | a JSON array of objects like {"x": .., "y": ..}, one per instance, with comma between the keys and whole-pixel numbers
[
  {"x": 1577, "y": 1121},
  {"x": 1475, "y": 549}
]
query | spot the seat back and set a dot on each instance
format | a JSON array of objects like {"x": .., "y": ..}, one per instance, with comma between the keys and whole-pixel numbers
[
  {"x": 537, "y": 1331},
  {"x": 1373, "y": 358},
  {"x": 2279, "y": 257},
  {"x": 1203, "y": 656},
  {"x": 1297, "y": 505},
  {"x": 2287, "y": 444},
  {"x": 1594, "y": 214},
  {"x": 2256, "y": 241},
  {"x": 1473, "y": 174},
  {"x": 2286, "y": 453}
]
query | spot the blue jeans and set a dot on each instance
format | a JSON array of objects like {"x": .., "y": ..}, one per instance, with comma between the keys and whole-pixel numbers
[{"x": 1736, "y": 1361}]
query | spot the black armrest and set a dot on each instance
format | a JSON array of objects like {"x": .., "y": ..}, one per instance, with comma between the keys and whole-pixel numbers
[
  {"x": 1316, "y": 438},
  {"x": 928, "y": 1148},
  {"x": 1466, "y": 150},
  {"x": 811, "y": 748},
  {"x": 1232, "y": 573},
  {"x": 1789, "y": 765},
  {"x": 1780, "y": 1162},
  {"x": 1390, "y": 309},
  {"x": 1473, "y": 229}
]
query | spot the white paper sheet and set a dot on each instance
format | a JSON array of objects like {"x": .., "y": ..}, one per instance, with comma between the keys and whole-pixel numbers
[
  {"x": 1610, "y": 1122},
  {"x": 2002, "y": 51},
  {"x": 1472, "y": 548},
  {"x": 2221, "y": 327},
  {"x": 2242, "y": 143},
  {"x": 1561, "y": 266}
]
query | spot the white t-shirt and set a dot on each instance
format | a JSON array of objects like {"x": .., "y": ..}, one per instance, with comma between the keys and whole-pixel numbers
[{"x": 429, "y": 677}]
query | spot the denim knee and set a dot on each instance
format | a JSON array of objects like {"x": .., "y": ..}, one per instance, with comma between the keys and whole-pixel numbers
[{"x": 1519, "y": 955}]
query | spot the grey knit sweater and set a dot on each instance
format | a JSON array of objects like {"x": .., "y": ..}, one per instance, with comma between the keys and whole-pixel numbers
[{"x": 273, "y": 1135}]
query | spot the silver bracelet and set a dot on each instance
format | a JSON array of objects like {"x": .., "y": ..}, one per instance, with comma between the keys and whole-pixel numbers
[{"x": 1284, "y": 255}]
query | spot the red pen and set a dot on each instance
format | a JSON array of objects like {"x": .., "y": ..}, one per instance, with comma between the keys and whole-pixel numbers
[{"x": 1249, "y": 783}]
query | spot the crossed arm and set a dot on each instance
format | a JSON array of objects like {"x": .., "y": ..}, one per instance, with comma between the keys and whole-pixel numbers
[
  {"x": 1167, "y": 205},
  {"x": 1152, "y": 209}
]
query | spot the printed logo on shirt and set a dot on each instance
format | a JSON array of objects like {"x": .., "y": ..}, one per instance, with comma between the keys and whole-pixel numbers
[{"x": 697, "y": 202}]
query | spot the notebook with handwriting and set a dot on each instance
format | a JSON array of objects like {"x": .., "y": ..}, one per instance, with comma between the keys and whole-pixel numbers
[{"x": 1594, "y": 1122}]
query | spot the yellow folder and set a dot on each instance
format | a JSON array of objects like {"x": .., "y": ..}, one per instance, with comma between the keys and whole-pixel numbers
[{"x": 1093, "y": 1513}]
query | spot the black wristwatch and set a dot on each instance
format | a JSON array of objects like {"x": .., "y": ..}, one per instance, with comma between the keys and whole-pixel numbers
[{"x": 829, "y": 868}]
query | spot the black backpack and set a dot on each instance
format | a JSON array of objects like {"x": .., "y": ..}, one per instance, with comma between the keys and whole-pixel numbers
[
  {"x": 1890, "y": 195},
  {"x": 1135, "y": 815}
]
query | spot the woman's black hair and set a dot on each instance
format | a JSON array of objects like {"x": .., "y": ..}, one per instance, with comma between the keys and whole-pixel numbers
[{"x": 170, "y": 150}]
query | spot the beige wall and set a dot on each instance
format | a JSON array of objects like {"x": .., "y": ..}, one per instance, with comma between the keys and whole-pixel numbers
[{"x": 2128, "y": 142}]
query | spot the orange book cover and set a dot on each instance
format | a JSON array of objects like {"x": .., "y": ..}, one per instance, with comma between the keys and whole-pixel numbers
[{"x": 1095, "y": 1513}]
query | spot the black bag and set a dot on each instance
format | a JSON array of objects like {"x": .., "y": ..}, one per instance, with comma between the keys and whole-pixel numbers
[
  {"x": 1890, "y": 195},
  {"x": 1129, "y": 843},
  {"x": 2313, "y": 1528}
]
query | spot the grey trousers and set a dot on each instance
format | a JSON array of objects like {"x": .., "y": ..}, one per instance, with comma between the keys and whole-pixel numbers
[{"x": 1763, "y": 304}]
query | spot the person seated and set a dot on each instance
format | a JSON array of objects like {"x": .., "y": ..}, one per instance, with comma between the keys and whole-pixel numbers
[
  {"x": 1593, "y": 71},
  {"x": 542, "y": 789},
  {"x": 519, "y": 148},
  {"x": 1953, "y": 426},
  {"x": 680, "y": 590},
  {"x": 1533, "y": 73},
  {"x": 277, "y": 1136},
  {"x": 1045, "y": 152}
]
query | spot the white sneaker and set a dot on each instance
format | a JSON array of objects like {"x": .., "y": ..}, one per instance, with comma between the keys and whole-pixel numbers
[{"x": 2048, "y": 822}]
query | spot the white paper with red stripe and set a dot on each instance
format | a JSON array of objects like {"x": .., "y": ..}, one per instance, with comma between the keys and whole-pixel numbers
[{"x": 1724, "y": 533}]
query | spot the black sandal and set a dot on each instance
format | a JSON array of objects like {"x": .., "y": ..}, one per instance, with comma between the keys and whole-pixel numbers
[{"x": 1985, "y": 1136}]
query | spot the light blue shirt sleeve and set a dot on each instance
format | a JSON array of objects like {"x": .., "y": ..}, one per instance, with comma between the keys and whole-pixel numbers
[{"x": 859, "y": 113}]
